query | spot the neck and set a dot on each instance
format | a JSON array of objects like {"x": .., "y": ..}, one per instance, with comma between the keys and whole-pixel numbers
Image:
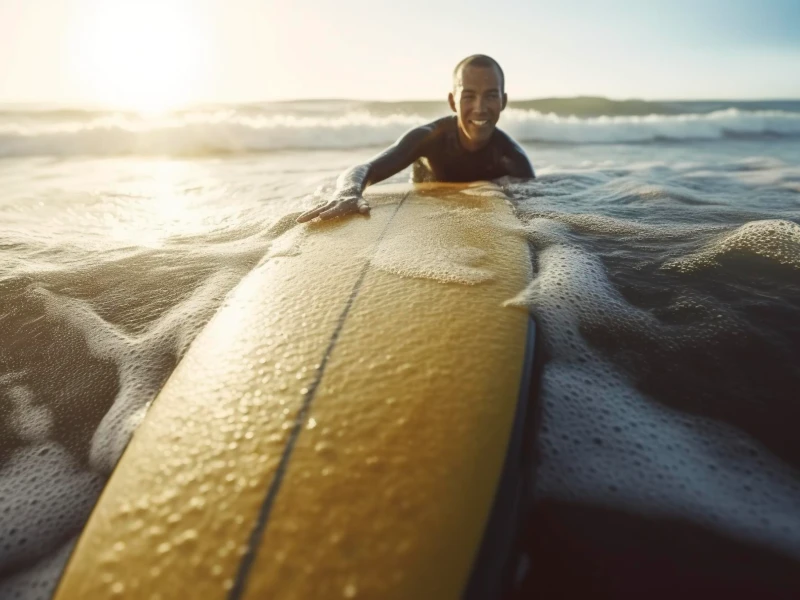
[{"x": 468, "y": 144}]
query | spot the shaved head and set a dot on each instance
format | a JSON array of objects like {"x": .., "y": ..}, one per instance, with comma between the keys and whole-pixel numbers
[{"x": 478, "y": 60}]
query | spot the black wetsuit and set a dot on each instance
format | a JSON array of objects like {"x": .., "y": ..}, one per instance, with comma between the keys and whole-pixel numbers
[
  {"x": 438, "y": 155},
  {"x": 443, "y": 158}
]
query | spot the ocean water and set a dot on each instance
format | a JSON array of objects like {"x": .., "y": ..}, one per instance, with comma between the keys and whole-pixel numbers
[{"x": 667, "y": 288}]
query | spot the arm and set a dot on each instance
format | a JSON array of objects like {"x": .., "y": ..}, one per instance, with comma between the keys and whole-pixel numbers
[
  {"x": 517, "y": 163},
  {"x": 347, "y": 198}
]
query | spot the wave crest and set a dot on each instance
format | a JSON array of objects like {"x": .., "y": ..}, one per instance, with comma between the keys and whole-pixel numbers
[{"x": 235, "y": 132}]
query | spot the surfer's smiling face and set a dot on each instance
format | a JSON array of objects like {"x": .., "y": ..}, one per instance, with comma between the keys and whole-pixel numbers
[{"x": 478, "y": 99}]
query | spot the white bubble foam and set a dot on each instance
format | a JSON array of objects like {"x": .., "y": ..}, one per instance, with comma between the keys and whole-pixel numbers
[
  {"x": 30, "y": 421},
  {"x": 774, "y": 240},
  {"x": 445, "y": 264},
  {"x": 434, "y": 248},
  {"x": 39, "y": 581},
  {"x": 45, "y": 498},
  {"x": 140, "y": 359},
  {"x": 603, "y": 441}
]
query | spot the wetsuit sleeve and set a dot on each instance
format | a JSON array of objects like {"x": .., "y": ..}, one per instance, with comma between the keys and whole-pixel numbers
[
  {"x": 394, "y": 159},
  {"x": 516, "y": 161}
]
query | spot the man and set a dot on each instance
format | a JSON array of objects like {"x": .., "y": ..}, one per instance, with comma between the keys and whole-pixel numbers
[{"x": 464, "y": 147}]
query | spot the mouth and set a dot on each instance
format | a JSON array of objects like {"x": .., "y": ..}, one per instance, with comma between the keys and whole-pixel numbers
[{"x": 480, "y": 123}]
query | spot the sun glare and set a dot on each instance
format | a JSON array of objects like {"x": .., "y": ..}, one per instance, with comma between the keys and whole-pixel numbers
[{"x": 143, "y": 56}]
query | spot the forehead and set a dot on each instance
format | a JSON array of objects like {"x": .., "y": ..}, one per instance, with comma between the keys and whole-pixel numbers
[{"x": 478, "y": 78}]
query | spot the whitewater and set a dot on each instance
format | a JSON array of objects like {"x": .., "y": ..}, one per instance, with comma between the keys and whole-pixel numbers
[{"x": 338, "y": 125}]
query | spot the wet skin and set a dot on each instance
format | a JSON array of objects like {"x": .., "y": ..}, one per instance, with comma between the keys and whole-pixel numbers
[
  {"x": 464, "y": 147},
  {"x": 478, "y": 101}
]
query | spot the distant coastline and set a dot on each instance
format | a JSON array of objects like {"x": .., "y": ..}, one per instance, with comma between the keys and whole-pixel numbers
[
  {"x": 577, "y": 106},
  {"x": 595, "y": 106}
]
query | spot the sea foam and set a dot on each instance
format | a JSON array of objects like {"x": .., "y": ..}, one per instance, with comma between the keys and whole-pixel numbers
[{"x": 604, "y": 441}]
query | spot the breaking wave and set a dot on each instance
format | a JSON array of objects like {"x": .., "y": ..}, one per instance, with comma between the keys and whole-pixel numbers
[{"x": 238, "y": 131}]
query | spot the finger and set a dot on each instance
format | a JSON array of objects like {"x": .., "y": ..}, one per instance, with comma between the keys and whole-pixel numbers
[
  {"x": 337, "y": 211},
  {"x": 314, "y": 212},
  {"x": 310, "y": 214},
  {"x": 363, "y": 207}
]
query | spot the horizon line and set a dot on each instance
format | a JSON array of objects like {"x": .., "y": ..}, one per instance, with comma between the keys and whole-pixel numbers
[{"x": 97, "y": 105}]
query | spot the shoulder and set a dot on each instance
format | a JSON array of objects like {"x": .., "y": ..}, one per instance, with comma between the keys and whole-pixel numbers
[
  {"x": 416, "y": 132},
  {"x": 422, "y": 135},
  {"x": 435, "y": 128},
  {"x": 444, "y": 123}
]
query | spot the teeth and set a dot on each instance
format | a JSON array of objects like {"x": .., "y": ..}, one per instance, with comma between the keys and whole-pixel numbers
[{"x": 480, "y": 123}]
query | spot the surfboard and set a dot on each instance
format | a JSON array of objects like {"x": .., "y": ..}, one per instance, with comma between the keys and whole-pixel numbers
[{"x": 350, "y": 424}]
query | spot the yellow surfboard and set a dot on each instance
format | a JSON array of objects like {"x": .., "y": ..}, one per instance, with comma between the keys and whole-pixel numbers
[{"x": 348, "y": 425}]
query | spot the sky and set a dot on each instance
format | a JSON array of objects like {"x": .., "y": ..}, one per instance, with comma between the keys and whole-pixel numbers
[{"x": 163, "y": 53}]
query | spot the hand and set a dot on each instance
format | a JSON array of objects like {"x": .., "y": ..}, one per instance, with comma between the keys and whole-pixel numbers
[{"x": 339, "y": 207}]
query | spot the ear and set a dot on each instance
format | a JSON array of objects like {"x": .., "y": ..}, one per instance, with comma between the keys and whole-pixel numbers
[
  {"x": 452, "y": 100},
  {"x": 505, "y": 100}
]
